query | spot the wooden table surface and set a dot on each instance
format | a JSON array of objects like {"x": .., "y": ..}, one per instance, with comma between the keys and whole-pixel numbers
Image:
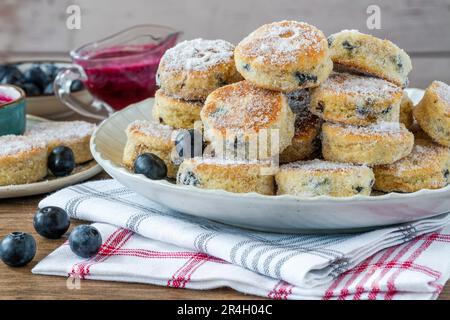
[{"x": 19, "y": 283}]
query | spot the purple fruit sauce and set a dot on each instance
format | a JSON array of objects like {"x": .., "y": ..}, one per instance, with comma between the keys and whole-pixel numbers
[{"x": 123, "y": 75}]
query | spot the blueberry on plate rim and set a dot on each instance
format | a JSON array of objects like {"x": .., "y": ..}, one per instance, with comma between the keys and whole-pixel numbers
[
  {"x": 61, "y": 161},
  {"x": 151, "y": 166},
  {"x": 85, "y": 241},
  {"x": 17, "y": 249},
  {"x": 51, "y": 222}
]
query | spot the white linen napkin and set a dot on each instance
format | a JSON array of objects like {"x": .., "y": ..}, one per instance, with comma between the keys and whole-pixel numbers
[{"x": 145, "y": 242}]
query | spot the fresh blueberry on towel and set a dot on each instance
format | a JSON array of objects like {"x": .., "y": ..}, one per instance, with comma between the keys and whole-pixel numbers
[
  {"x": 61, "y": 161},
  {"x": 17, "y": 249},
  {"x": 151, "y": 166},
  {"x": 51, "y": 222},
  {"x": 85, "y": 241}
]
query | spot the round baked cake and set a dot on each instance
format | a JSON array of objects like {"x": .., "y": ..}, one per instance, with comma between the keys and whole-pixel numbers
[
  {"x": 193, "y": 69},
  {"x": 317, "y": 177},
  {"x": 433, "y": 112},
  {"x": 150, "y": 137},
  {"x": 427, "y": 167},
  {"x": 248, "y": 122},
  {"x": 382, "y": 143},
  {"x": 22, "y": 160},
  {"x": 284, "y": 56},
  {"x": 406, "y": 111},
  {"x": 73, "y": 134},
  {"x": 231, "y": 175},
  {"x": 174, "y": 112},
  {"x": 356, "y": 99},
  {"x": 305, "y": 142},
  {"x": 355, "y": 51}
]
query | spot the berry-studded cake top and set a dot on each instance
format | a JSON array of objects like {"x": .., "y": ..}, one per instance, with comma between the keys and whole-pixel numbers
[
  {"x": 13, "y": 145},
  {"x": 65, "y": 130},
  {"x": 321, "y": 165},
  {"x": 443, "y": 90},
  {"x": 242, "y": 106},
  {"x": 152, "y": 129},
  {"x": 283, "y": 42},
  {"x": 352, "y": 84},
  {"x": 197, "y": 55}
]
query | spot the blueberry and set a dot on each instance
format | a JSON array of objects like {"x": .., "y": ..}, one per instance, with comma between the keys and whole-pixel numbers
[
  {"x": 189, "y": 143},
  {"x": 387, "y": 110},
  {"x": 76, "y": 85},
  {"x": 189, "y": 178},
  {"x": 304, "y": 78},
  {"x": 85, "y": 241},
  {"x": 397, "y": 61},
  {"x": 31, "y": 89},
  {"x": 330, "y": 41},
  {"x": 48, "y": 91},
  {"x": 51, "y": 222},
  {"x": 320, "y": 106},
  {"x": 362, "y": 110},
  {"x": 51, "y": 70},
  {"x": 446, "y": 173},
  {"x": 17, "y": 249},
  {"x": 12, "y": 75},
  {"x": 246, "y": 67},
  {"x": 151, "y": 166},
  {"x": 61, "y": 161},
  {"x": 359, "y": 189},
  {"x": 36, "y": 76},
  {"x": 348, "y": 46}
]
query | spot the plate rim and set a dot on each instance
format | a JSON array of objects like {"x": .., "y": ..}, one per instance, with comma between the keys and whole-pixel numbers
[{"x": 251, "y": 195}]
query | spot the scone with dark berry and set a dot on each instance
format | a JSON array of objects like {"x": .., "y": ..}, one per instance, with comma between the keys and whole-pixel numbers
[
  {"x": 433, "y": 112},
  {"x": 364, "y": 53},
  {"x": 356, "y": 100},
  {"x": 427, "y": 167},
  {"x": 317, "y": 177},
  {"x": 73, "y": 134},
  {"x": 382, "y": 143},
  {"x": 238, "y": 176},
  {"x": 150, "y": 137}
]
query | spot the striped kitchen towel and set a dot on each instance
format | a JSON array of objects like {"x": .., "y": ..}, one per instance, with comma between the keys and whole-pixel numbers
[{"x": 147, "y": 243}]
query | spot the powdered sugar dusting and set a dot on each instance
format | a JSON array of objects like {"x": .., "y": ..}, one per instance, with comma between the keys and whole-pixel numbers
[
  {"x": 151, "y": 129},
  {"x": 197, "y": 55},
  {"x": 443, "y": 90},
  {"x": 424, "y": 154},
  {"x": 242, "y": 106},
  {"x": 65, "y": 130},
  {"x": 227, "y": 162},
  {"x": 282, "y": 42},
  {"x": 13, "y": 145},
  {"x": 381, "y": 128},
  {"x": 352, "y": 84},
  {"x": 321, "y": 165}
]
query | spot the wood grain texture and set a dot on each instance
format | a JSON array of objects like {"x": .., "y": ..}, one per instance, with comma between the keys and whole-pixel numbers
[
  {"x": 415, "y": 25},
  {"x": 19, "y": 283}
]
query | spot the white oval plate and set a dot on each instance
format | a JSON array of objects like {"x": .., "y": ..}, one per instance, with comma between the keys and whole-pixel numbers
[
  {"x": 284, "y": 213},
  {"x": 81, "y": 173}
]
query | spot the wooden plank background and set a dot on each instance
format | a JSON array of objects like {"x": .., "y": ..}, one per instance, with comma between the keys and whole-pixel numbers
[{"x": 421, "y": 27}]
